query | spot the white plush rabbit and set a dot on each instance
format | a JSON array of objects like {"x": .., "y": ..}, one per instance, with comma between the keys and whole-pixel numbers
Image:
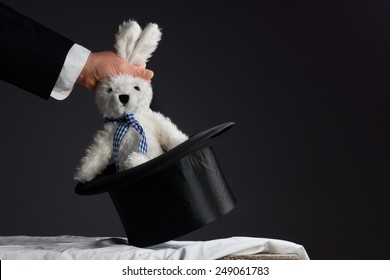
[{"x": 132, "y": 132}]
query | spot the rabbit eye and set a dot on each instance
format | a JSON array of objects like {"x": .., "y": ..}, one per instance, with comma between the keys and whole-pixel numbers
[
  {"x": 137, "y": 88},
  {"x": 109, "y": 90}
]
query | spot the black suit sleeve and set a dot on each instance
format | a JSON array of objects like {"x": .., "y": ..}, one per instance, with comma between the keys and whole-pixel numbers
[{"x": 31, "y": 55}]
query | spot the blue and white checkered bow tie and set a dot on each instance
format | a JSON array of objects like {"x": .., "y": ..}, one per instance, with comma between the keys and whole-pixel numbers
[{"x": 123, "y": 125}]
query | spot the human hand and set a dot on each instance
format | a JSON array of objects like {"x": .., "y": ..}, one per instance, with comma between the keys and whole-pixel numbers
[{"x": 101, "y": 65}]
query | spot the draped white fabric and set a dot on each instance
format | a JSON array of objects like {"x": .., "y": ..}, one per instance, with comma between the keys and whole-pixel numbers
[{"x": 115, "y": 248}]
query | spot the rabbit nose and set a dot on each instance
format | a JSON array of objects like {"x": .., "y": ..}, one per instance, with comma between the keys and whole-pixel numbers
[{"x": 123, "y": 98}]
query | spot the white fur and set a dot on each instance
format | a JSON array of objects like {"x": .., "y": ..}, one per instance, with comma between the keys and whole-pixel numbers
[
  {"x": 126, "y": 38},
  {"x": 146, "y": 45},
  {"x": 134, "y": 44},
  {"x": 161, "y": 134}
]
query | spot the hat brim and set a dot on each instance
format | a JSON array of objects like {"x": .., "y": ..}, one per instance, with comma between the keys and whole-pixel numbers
[{"x": 111, "y": 180}]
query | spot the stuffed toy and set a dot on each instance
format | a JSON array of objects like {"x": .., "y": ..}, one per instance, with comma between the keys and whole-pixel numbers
[{"x": 132, "y": 132}]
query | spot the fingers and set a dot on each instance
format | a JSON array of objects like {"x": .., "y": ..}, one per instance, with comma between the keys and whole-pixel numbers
[
  {"x": 148, "y": 74},
  {"x": 143, "y": 73},
  {"x": 136, "y": 70},
  {"x": 107, "y": 64}
]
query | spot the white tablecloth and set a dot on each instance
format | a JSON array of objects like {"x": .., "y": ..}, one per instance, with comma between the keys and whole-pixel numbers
[{"x": 114, "y": 248}]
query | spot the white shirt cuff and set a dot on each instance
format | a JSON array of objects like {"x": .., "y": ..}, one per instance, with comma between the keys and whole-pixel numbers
[{"x": 74, "y": 63}]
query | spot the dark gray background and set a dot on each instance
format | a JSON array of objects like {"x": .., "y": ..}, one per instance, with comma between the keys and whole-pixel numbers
[{"x": 305, "y": 81}]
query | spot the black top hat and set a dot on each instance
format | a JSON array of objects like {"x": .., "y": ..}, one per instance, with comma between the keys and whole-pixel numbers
[{"x": 170, "y": 195}]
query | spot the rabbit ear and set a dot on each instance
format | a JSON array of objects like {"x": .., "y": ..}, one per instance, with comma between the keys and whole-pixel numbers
[
  {"x": 146, "y": 45},
  {"x": 126, "y": 38}
]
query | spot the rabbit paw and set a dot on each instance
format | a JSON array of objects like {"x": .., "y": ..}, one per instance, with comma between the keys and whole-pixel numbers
[
  {"x": 135, "y": 159},
  {"x": 83, "y": 176}
]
